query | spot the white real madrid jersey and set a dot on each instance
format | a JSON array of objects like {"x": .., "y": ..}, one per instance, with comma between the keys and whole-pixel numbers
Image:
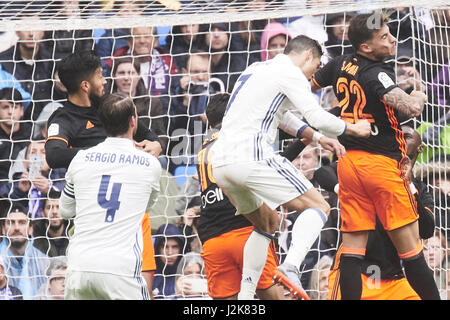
[
  {"x": 112, "y": 185},
  {"x": 261, "y": 96}
]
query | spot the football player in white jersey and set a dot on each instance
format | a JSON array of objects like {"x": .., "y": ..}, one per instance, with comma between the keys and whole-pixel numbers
[
  {"x": 109, "y": 188},
  {"x": 255, "y": 178}
]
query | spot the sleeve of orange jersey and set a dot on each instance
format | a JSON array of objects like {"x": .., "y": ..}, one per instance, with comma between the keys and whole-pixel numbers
[{"x": 148, "y": 254}]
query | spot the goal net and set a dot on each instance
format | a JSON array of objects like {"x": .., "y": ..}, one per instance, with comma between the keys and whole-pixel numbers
[{"x": 171, "y": 57}]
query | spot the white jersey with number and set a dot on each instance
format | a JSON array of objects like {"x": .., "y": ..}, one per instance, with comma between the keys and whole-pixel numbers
[
  {"x": 262, "y": 95},
  {"x": 112, "y": 185}
]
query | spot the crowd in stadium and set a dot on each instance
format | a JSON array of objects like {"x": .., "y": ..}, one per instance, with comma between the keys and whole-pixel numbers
[{"x": 171, "y": 74}]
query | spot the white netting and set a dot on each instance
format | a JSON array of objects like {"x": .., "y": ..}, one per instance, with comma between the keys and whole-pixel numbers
[{"x": 169, "y": 85}]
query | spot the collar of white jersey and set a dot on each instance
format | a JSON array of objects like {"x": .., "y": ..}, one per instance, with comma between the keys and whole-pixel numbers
[
  {"x": 284, "y": 58},
  {"x": 119, "y": 141}
]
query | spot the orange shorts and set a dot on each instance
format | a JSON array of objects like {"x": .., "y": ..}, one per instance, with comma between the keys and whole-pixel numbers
[
  {"x": 369, "y": 185},
  {"x": 148, "y": 253},
  {"x": 398, "y": 289},
  {"x": 223, "y": 263}
]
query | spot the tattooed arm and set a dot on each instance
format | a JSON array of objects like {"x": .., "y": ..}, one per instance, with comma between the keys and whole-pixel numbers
[{"x": 410, "y": 105}]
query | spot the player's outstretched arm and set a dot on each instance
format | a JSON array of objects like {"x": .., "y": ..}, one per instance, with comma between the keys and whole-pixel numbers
[
  {"x": 410, "y": 105},
  {"x": 296, "y": 127},
  {"x": 58, "y": 154}
]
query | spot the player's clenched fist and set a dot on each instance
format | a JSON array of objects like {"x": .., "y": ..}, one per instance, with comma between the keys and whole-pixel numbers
[{"x": 359, "y": 129}]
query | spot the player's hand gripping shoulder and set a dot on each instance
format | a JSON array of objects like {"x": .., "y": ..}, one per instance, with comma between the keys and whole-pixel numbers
[
  {"x": 152, "y": 147},
  {"x": 410, "y": 105},
  {"x": 360, "y": 129}
]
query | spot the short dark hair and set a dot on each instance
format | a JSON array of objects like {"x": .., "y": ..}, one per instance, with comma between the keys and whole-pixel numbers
[
  {"x": 215, "y": 109},
  {"x": 115, "y": 112},
  {"x": 117, "y": 61},
  {"x": 77, "y": 67},
  {"x": 363, "y": 26},
  {"x": 11, "y": 94},
  {"x": 18, "y": 207},
  {"x": 198, "y": 53},
  {"x": 302, "y": 43}
]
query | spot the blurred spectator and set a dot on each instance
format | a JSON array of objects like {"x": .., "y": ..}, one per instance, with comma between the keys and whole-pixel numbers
[
  {"x": 155, "y": 64},
  {"x": 439, "y": 181},
  {"x": 190, "y": 280},
  {"x": 51, "y": 231},
  {"x": 40, "y": 125},
  {"x": 188, "y": 224},
  {"x": 188, "y": 104},
  {"x": 318, "y": 284},
  {"x": 8, "y": 81},
  {"x": 434, "y": 49},
  {"x": 400, "y": 23},
  {"x": 35, "y": 181},
  {"x": 440, "y": 86},
  {"x": 183, "y": 40},
  {"x": 408, "y": 78},
  {"x": 7, "y": 292},
  {"x": 273, "y": 40},
  {"x": 308, "y": 160},
  {"x": 25, "y": 265},
  {"x": 435, "y": 252},
  {"x": 189, "y": 190},
  {"x": 337, "y": 27},
  {"x": 226, "y": 62},
  {"x": 170, "y": 246},
  {"x": 250, "y": 33},
  {"x": 14, "y": 134},
  {"x": 31, "y": 64},
  {"x": 113, "y": 39},
  {"x": 126, "y": 79},
  {"x": 53, "y": 288},
  {"x": 60, "y": 43},
  {"x": 435, "y": 137},
  {"x": 312, "y": 26}
]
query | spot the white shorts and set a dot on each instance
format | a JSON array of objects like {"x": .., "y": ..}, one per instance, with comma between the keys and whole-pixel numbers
[
  {"x": 273, "y": 181},
  {"x": 104, "y": 286}
]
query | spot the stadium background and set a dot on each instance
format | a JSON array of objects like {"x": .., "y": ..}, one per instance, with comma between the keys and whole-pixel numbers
[{"x": 422, "y": 32}]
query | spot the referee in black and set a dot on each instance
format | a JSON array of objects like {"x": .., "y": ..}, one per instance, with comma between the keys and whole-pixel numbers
[{"x": 76, "y": 125}]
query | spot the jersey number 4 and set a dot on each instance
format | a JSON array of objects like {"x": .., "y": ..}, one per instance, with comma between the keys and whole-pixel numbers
[{"x": 113, "y": 204}]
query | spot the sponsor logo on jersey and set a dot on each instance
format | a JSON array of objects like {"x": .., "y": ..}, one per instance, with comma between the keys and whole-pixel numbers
[
  {"x": 89, "y": 125},
  {"x": 53, "y": 130},
  {"x": 385, "y": 80},
  {"x": 212, "y": 196}
]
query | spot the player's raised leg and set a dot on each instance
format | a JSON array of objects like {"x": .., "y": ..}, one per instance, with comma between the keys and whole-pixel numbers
[{"x": 314, "y": 214}]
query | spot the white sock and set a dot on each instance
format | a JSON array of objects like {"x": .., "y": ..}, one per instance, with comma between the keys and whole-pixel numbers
[
  {"x": 254, "y": 260},
  {"x": 305, "y": 231}
]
